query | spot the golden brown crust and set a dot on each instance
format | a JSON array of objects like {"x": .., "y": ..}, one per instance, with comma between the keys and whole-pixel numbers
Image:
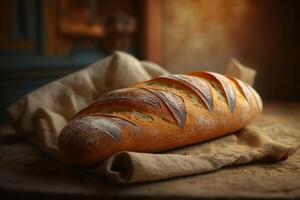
[{"x": 161, "y": 114}]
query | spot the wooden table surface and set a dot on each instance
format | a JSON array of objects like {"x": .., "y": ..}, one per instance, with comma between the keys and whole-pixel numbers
[{"x": 25, "y": 172}]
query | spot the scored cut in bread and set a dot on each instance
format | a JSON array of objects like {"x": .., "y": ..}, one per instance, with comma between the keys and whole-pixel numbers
[{"x": 163, "y": 113}]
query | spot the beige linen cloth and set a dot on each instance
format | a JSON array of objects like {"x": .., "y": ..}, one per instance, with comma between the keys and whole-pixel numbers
[{"x": 40, "y": 115}]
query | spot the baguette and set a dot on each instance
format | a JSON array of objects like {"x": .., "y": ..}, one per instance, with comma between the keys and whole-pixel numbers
[{"x": 163, "y": 113}]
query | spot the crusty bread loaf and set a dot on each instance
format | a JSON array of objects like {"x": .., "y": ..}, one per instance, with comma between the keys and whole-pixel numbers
[{"x": 161, "y": 114}]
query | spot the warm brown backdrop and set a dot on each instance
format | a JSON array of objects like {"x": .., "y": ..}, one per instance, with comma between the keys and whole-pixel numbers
[
  {"x": 42, "y": 40},
  {"x": 264, "y": 34}
]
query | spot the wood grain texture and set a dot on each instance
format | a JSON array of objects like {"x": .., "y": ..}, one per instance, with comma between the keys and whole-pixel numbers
[{"x": 152, "y": 28}]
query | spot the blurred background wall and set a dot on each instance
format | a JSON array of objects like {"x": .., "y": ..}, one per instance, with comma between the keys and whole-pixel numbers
[
  {"x": 42, "y": 40},
  {"x": 263, "y": 34}
]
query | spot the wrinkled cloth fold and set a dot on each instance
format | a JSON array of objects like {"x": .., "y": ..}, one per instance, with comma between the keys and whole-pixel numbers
[
  {"x": 40, "y": 116},
  {"x": 267, "y": 139}
]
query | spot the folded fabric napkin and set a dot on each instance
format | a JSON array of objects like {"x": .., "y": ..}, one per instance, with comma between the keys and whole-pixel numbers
[{"x": 40, "y": 116}]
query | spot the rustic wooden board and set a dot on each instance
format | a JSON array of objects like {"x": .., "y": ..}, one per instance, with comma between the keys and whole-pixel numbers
[{"x": 27, "y": 172}]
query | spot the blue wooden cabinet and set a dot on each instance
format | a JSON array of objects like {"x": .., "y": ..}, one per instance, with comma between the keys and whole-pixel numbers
[{"x": 35, "y": 50}]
